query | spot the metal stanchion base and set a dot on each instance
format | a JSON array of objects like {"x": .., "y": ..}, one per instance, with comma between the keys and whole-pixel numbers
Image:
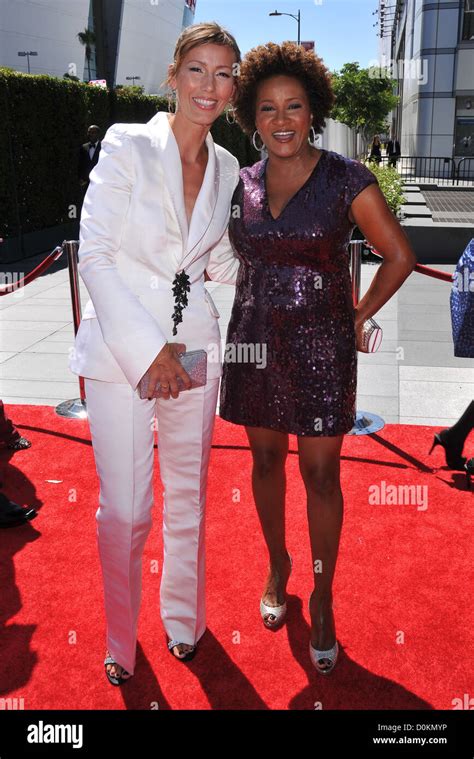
[
  {"x": 75, "y": 409},
  {"x": 366, "y": 422}
]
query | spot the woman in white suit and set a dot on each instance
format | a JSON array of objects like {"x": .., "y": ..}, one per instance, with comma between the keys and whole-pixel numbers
[{"x": 157, "y": 206}]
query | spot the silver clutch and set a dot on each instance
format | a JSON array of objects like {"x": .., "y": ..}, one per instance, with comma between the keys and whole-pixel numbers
[
  {"x": 371, "y": 335},
  {"x": 193, "y": 362}
]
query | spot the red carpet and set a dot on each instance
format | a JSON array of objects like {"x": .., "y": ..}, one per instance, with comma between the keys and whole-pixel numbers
[{"x": 402, "y": 591}]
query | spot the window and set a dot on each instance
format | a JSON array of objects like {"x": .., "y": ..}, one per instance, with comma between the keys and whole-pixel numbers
[
  {"x": 464, "y": 138},
  {"x": 468, "y": 20}
]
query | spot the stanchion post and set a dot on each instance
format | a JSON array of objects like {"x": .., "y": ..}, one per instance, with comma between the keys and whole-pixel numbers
[
  {"x": 365, "y": 422},
  {"x": 72, "y": 247},
  {"x": 76, "y": 408},
  {"x": 356, "y": 266}
]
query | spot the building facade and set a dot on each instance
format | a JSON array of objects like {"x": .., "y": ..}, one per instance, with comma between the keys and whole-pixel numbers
[
  {"x": 429, "y": 47},
  {"x": 134, "y": 39}
]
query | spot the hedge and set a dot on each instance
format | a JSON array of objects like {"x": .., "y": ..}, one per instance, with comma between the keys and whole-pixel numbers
[{"x": 44, "y": 122}]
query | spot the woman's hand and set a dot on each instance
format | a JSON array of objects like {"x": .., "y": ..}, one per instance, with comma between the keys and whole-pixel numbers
[{"x": 165, "y": 369}]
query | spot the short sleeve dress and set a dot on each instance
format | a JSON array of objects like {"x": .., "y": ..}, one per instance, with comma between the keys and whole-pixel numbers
[{"x": 290, "y": 362}]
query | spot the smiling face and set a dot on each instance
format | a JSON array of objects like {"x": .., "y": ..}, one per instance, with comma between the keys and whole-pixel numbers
[
  {"x": 204, "y": 82},
  {"x": 283, "y": 116}
]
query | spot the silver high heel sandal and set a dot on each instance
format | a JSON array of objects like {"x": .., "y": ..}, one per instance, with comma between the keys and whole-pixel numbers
[
  {"x": 115, "y": 679},
  {"x": 277, "y": 612},
  {"x": 324, "y": 661},
  {"x": 185, "y": 656},
  {"x": 320, "y": 658}
]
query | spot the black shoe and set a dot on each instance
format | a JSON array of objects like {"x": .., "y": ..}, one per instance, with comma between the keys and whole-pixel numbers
[
  {"x": 453, "y": 451},
  {"x": 469, "y": 469},
  {"x": 18, "y": 444},
  {"x": 13, "y": 515}
]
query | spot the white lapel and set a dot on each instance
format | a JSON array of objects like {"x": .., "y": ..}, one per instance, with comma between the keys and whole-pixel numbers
[
  {"x": 205, "y": 205},
  {"x": 206, "y": 201},
  {"x": 164, "y": 143}
]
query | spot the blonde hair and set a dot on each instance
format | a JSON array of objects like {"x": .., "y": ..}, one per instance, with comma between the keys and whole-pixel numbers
[{"x": 193, "y": 36}]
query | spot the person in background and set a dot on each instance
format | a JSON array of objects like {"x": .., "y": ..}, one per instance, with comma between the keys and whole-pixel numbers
[
  {"x": 375, "y": 151},
  {"x": 13, "y": 515},
  {"x": 453, "y": 438},
  {"x": 393, "y": 151},
  {"x": 461, "y": 299},
  {"x": 89, "y": 156},
  {"x": 9, "y": 435}
]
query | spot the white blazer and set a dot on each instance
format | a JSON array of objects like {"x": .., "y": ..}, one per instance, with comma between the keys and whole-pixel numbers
[{"x": 134, "y": 238}]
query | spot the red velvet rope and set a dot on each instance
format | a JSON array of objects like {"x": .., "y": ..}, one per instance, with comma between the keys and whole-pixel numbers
[
  {"x": 45, "y": 264},
  {"x": 444, "y": 275}
]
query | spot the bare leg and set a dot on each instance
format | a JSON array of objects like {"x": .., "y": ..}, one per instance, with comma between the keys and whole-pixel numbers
[
  {"x": 269, "y": 451},
  {"x": 319, "y": 460}
]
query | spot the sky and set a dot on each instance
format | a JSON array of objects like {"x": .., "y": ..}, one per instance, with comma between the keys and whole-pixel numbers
[{"x": 342, "y": 30}]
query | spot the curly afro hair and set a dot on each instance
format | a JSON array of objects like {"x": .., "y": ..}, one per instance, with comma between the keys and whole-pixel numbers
[{"x": 288, "y": 59}]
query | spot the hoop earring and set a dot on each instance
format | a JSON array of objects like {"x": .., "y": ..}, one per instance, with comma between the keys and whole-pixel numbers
[
  {"x": 254, "y": 142},
  {"x": 312, "y": 138},
  {"x": 231, "y": 111}
]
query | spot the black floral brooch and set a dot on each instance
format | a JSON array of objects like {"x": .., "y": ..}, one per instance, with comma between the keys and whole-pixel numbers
[{"x": 181, "y": 286}]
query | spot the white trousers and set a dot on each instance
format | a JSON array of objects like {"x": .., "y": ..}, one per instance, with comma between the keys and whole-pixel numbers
[{"x": 121, "y": 426}]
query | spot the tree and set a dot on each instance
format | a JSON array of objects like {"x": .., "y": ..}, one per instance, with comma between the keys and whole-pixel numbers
[
  {"x": 87, "y": 38},
  {"x": 364, "y": 98}
]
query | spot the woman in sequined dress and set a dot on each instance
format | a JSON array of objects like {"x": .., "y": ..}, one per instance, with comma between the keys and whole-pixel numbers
[{"x": 293, "y": 304}]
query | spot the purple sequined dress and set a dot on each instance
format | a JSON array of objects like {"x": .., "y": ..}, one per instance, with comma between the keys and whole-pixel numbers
[{"x": 291, "y": 359}]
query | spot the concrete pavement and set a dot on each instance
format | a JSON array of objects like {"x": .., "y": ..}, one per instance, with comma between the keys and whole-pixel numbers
[{"x": 414, "y": 378}]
